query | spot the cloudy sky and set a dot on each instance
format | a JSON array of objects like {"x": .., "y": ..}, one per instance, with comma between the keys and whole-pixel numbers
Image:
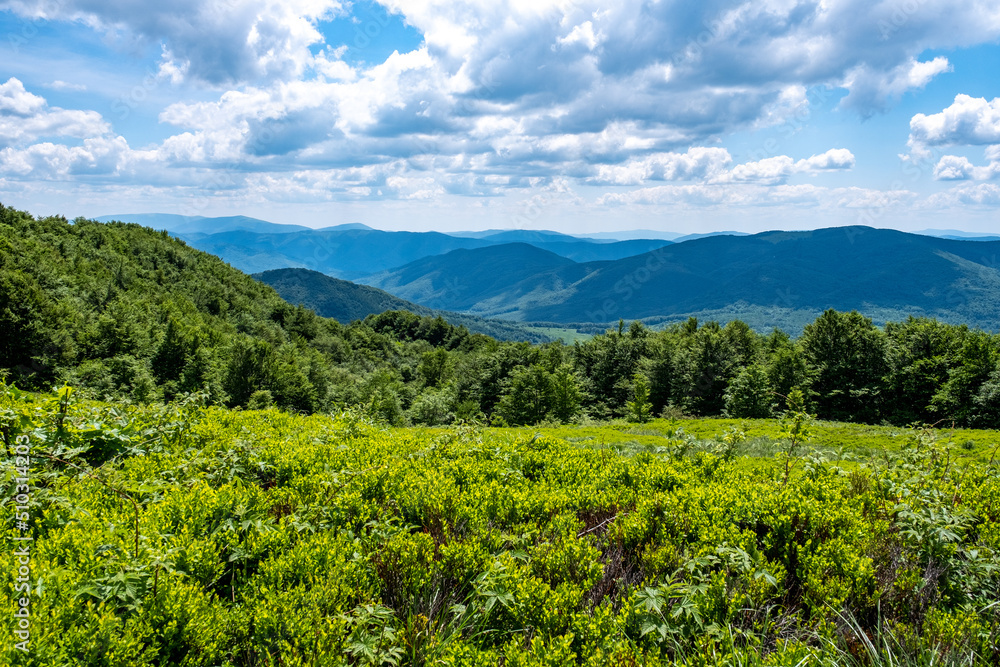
[{"x": 473, "y": 114}]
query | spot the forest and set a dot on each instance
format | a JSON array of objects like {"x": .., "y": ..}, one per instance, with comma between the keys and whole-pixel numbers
[{"x": 125, "y": 313}]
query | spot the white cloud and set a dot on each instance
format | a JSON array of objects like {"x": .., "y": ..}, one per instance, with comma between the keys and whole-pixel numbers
[
  {"x": 502, "y": 93},
  {"x": 775, "y": 170},
  {"x": 739, "y": 195},
  {"x": 958, "y": 168},
  {"x": 980, "y": 195},
  {"x": 63, "y": 85},
  {"x": 969, "y": 121},
  {"x": 874, "y": 89},
  {"x": 953, "y": 168},
  {"x": 97, "y": 156},
  {"x": 215, "y": 42},
  {"x": 26, "y": 117},
  {"x": 582, "y": 34},
  {"x": 696, "y": 163},
  {"x": 16, "y": 101}
]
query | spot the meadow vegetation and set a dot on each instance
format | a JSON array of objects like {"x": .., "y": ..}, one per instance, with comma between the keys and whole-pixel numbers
[{"x": 182, "y": 534}]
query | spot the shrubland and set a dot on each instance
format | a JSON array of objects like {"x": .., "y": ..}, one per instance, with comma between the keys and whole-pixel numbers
[{"x": 187, "y": 534}]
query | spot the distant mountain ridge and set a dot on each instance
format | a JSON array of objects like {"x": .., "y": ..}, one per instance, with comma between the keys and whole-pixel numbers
[
  {"x": 353, "y": 250},
  {"x": 781, "y": 279},
  {"x": 196, "y": 224},
  {"x": 345, "y": 302},
  {"x": 769, "y": 279}
]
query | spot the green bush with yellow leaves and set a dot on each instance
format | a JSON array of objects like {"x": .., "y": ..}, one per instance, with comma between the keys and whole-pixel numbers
[{"x": 181, "y": 534}]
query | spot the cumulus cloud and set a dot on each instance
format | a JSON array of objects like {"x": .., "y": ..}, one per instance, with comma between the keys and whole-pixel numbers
[
  {"x": 873, "y": 89},
  {"x": 775, "y": 170},
  {"x": 97, "y": 156},
  {"x": 215, "y": 42},
  {"x": 26, "y": 117},
  {"x": 959, "y": 168},
  {"x": 982, "y": 194},
  {"x": 969, "y": 121},
  {"x": 504, "y": 93},
  {"x": 859, "y": 202},
  {"x": 696, "y": 163}
]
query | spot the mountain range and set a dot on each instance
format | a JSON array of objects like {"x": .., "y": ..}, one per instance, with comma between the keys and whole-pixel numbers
[
  {"x": 354, "y": 250},
  {"x": 782, "y": 279},
  {"x": 345, "y": 302},
  {"x": 771, "y": 279}
]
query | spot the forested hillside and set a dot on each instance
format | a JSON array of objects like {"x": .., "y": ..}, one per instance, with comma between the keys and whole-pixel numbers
[
  {"x": 125, "y": 312},
  {"x": 772, "y": 279},
  {"x": 345, "y": 302}
]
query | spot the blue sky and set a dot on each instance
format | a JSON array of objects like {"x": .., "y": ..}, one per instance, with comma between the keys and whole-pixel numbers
[{"x": 471, "y": 114}]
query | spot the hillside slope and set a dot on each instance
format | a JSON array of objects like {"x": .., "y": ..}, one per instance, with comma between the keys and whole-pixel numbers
[
  {"x": 510, "y": 275},
  {"x": 782, "y": 279},
  {"x": 124, "y": 311},
  {"x": 342, "y": 253},
  {"x": 345, "y": 302}
]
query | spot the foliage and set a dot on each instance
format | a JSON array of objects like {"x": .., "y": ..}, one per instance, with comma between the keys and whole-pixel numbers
[
  {"x": 181, "y": 534},
  {"x": 129, "y": 314},
  {"x": 639, "y": 408}
]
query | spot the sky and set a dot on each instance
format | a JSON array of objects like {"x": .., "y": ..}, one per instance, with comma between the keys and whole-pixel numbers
[{"x": 450, "y": 115}]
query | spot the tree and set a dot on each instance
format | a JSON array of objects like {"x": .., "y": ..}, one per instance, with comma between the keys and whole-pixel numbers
[
  {"x": 845, "y": 358},
  {"x": 566, "y": 394},
  {"x": 433, "y": 366},
  {"x": 528, "y": 398},
  {"x": 252, "y": 366},
  {"x": 920, "y": 353},
  {"x": 432, "y": 407},
  {"x": 639, "y": 408},
  {"x": 750, "y": 394},
  {"x": 609, "y": 361},
  {"x": 704, "y": 365},
  {"x": 976, "y": 360},
  {"x": 986, "y": 403}
]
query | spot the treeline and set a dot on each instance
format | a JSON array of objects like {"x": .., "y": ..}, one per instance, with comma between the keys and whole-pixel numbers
[{"x": 128, "y": 313}]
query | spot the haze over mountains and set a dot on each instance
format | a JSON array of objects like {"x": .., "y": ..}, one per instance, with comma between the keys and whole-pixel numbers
[
  {"x": 354, "y": 250},
  {"x": 345, "y": 302},
  {"x": 771, "y": 279}
]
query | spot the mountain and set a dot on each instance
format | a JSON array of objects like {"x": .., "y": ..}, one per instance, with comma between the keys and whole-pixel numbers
[
  {"x": 631, "y": 235},
  {"x": 782, "y": 279},
  {"x": 344, "y": 227},
  {"x": 340, "y": 253},
  {"x": 345, "y": 302},
  {"x": 959, "y": 234},
  {"x": 485, "y": 281},
  {"x": 354, "y": 251},
  {"x": 122, "y": 311},
  {"x": 693, "y": 237},
  {"x": 518, "y": 235},
  {"x": 187, "y": 224},
  {"x": 533, "y": 237},
  {"x": 595, "y": 252}
]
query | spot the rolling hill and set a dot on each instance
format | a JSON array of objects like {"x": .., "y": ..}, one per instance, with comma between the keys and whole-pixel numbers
[
  {"x": 782, "y": 279},
  {"x": 352, "y": 251},
  {"x": 345, "y": 302},
  {"x": 196, "y": 224}
]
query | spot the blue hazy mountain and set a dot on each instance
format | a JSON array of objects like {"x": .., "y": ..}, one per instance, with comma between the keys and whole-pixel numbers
[
  {"x": 353, "y": 250},
  {"x": 769, "y": 279},
  {"x": 345, "y": 302},
  {"x": 188, "y": 224}
]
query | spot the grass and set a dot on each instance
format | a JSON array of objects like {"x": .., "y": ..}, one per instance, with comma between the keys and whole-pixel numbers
[
  {"x": 568, "y": 336},
  {"x": 763, "y": 439}
]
